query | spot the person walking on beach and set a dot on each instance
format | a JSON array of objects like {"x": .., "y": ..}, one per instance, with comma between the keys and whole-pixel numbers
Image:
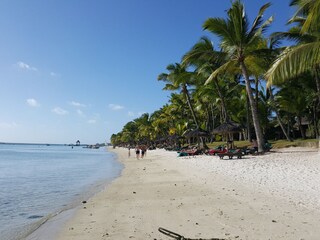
[
  {"x": 129, "y": 152},
  {"x": 143, "y": 151},
  {"x": 137, "y": 152}
]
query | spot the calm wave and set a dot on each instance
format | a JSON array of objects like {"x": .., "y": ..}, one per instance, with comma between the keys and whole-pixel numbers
[{"x": 39, "y": 180}]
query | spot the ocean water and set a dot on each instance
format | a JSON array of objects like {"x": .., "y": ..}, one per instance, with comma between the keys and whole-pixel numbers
[{"x": 39, "y": 181}]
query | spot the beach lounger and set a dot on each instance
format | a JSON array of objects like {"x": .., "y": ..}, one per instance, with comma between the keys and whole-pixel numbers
[
  {"x": 189, "y": 152},
  {"x": 216, "y": 151},
  {"x": 182, "y": 154},
  {"x": 267, "y": 146},
  {"x": 193, "y": 152},
  {"x": 231, "y": 153}
]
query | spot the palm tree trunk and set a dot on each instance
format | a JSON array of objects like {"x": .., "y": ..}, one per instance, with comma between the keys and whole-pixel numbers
[
  {"x": 315, "y": 121},
  {"x": 213, "y": 117},
  {"x": 223, "y": 104},
  {"x": 288, "y": 129},
  {"x": 317, "y": 77},
  {"x": 303, "y": 135},
  {"x": 249, "y": 137},
  {"x": 254, "y": 110},
  {"x": 256, "y": 81},
  {"x": 185, "y": 90},
  {"x": 317, "y": 105},
  {"x": 274, "y": 108}
]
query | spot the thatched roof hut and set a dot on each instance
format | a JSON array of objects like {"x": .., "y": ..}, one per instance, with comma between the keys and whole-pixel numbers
[
  {"x": 198, "y": 132},
  {"x": 228, "y": 127}
]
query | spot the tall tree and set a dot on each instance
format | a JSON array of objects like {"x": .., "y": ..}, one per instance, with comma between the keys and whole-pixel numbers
[
  {"x": 239, "y": 42},
  {"x": 304, "y": 57},
  {"x": 178, "y": 78},
  {"x": 206, "y": 59}
]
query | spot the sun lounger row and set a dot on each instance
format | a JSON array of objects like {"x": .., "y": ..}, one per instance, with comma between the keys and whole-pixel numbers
[
  {"x": 189, "y": 152},
  {"x": 231, "y": 153}
]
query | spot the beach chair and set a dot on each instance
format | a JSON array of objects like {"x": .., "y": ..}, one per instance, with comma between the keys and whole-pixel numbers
[
  {"x": 267, "y": 146},
  {"x": 245, "y": 150},
  {"x": 219, "y": 149},
  {"x": 231, "y": 153},
  {"x": 182, "y": 154}
]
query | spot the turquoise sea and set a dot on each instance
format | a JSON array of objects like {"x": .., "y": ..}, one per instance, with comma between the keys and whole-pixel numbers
[{"x": 39, "y": 181}]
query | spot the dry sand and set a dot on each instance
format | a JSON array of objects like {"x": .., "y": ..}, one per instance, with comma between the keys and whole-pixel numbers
[{"x": 273, "y": 196}]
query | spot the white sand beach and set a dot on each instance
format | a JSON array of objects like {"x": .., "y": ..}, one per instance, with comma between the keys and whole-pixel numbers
[{"x": 271, "y": 196}]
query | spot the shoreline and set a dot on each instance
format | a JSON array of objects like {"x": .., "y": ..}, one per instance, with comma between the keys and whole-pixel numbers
[
  {"x": 273, "y": 196},
  {"x": 49, "y": 226}
]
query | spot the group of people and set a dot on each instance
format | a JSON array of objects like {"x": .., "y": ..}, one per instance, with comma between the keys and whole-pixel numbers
[{"x": 141, "y": 151}]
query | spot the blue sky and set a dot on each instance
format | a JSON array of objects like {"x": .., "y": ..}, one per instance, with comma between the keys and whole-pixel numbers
[{"x": 81, "y": 69}]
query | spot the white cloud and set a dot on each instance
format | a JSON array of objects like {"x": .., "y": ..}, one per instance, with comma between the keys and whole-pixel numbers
[
  {"x": 115, "y": 107},
  {"x": 76, "y": 104},
  {"x": 32, "y": 102},
  {"x": 26, "y": 66},
  {"x": 92, "y": 121},
  {"x": 59, "y": 111}
]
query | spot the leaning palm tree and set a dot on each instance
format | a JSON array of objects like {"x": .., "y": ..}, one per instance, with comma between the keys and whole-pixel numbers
[
  {"x": 239, "y": 42},
  {"x": 206, "y": 59},
  {"x": 179, "y": 78}
]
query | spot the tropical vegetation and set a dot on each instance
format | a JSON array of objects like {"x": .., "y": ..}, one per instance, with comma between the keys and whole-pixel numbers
[{"x": 270, "y": 89}]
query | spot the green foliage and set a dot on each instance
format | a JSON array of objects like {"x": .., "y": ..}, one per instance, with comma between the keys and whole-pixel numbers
[{"x": 208, "y": 88}]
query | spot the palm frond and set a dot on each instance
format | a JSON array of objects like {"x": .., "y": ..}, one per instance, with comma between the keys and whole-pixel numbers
[
  {"x": 294, "y": 61},
  {"x": 297, "y": 19},
  {"x": 221, "y": 70},
  {"x": 201, "y": 51},
  {"x": 163, "y": 77},
  {"x": 294, "y": 34},
  {"x": 170, "y": 87},
  {"x": 258, "y": 20},
  {"x": 220, "y": 27},
  {"x": 238, "y": 22},
  {"x": 313, "y": 18}
]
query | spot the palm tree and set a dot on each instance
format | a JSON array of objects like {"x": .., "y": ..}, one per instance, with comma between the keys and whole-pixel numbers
[
  {"x": 179, "y": 78},
  {"x": 297, "y": 105},
  {"x": 206, "y": 59},
  {"x": 305, "y": 56},
  {"x": 129, "y": 132},
  {"x": 240, "y": 43}
]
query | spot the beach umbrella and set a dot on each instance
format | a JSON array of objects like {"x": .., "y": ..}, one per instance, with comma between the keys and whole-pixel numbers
[
  {"x": 228, "y": 127},
  {"x": 198, "y": 132}
]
